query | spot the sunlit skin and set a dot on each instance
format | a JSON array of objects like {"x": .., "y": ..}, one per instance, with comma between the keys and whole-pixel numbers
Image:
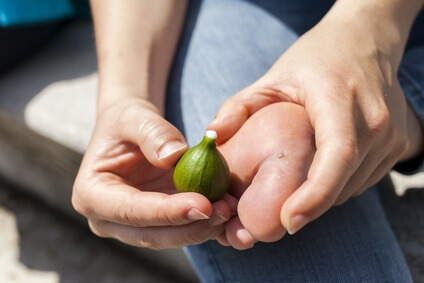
[
  {"x": 268, "y": 157},
  {"x": 128, "y": 198},
  {"x": 341, "y": 95},
  {"x": 346, "y": 82}
]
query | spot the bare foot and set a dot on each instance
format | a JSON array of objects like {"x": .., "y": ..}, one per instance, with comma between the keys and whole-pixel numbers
[{"x": 269, "y": 158}]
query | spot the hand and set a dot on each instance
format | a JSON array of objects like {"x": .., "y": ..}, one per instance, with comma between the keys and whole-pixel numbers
[
  {"x": 349, "y": 89},
  {"x": 124, "y": 186},
  {"x": 269, "y": 158}
]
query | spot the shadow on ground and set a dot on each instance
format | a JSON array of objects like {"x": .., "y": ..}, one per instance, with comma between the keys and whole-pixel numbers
[
  {"x": 50, "y": 244},
  {"x": 71, "y": 54}
]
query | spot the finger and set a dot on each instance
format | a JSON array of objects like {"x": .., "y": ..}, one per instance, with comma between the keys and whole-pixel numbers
[
  {"x": 385, "y": 166},
  {"x": 161, "y": 143},
  {"x": 221, "y": 213},
  {"x": 157, "y": 238},
  {"x": 232, "y": 203},
  {"x": 337, "y": 157},
  {"x": 284, "y": 169},
  {"x": 238, "y": 237},
  {"x": 237, "y": 109},
  {"x": 276, "y": 179},
  {"x": 222, "y": 239},
  {"x": 127, "y": 205},
  {"x": 358, "y": 179},
  {"x": 372, "y": 169}
]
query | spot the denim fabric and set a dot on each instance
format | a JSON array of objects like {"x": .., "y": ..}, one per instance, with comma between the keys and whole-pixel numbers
[
  {"x": 411, "y": 78},
  {"x": 227, "y": 45},
  {"x": 351, "y": 243}
]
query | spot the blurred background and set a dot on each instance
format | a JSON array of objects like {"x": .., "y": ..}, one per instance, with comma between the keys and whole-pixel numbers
[{"x": 48, "y": 86}]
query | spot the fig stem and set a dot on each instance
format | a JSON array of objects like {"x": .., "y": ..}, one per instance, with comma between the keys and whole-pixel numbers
[
  {"x": 210, "y": 138},
  {"x": 211, "y": 134}
]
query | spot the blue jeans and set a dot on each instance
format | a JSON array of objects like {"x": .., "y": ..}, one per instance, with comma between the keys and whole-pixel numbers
[{"x": 227, "y": 45}]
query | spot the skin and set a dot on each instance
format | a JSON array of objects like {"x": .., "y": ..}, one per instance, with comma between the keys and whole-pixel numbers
[
  {"x": 344, "y": 99},
  {"x": 361, "y": 122},
  {"x": 266, "y": 170},
  {"x": 124, "y": 186},
  {"x": 127, "y": 193}
]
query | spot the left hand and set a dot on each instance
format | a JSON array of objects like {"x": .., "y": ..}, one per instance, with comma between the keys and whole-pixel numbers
[
  {"x": 124, "y": 186},
  {"x": 346, "y": 80}
]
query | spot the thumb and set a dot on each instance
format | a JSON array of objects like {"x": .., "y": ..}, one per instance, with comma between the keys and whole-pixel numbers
[
  {"x": 237, "y": 109},
  {"x": 160, "y": 142}
]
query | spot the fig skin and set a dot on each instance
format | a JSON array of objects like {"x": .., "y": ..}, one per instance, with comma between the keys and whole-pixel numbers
[{"x": 203, "y": 169}]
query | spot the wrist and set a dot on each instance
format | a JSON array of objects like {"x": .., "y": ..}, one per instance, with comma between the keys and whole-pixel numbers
[
  {"x": 138, "y": 76},
  {"x": 135, "y": 42},
  {"x": 387, "y": 23}
]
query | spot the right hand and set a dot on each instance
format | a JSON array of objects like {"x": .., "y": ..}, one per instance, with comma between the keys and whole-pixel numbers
[{"x": 124, "y": 186}]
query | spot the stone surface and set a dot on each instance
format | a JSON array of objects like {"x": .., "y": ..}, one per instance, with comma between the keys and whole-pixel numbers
[
  {"x": 54, "y": 91},
  {"x": 65, "y": 112},
  {"x": 40, "y": 245},
  {"x": 47, "y": 106}
]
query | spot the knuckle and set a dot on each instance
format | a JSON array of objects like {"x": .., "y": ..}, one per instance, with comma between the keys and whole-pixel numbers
[
  {"x": 163, "y": 216},
  {"x": 156, "y": 132},
  {"x": 148, "y": 130},
  {"x": 96, "y": 229},
  {"x": 163, "y": 134},
  {"x": 78, "y": 202},
  {"x": 128, "y": 215},
  {"x": 348, "y": 151},
  {"x": 380, "y": 120}
]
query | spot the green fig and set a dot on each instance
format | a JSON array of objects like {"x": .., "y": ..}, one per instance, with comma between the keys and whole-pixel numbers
[{"x": 203, "y": 169}]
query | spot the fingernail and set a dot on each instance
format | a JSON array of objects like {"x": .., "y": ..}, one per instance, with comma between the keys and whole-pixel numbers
[
  {"x": 296, "y": 223},
  {"x": 217, "y": 219},
  {"x": 170, "y": 148},
  {"x": 194, "y": 214},
  {"x": 245, "y": 237}
]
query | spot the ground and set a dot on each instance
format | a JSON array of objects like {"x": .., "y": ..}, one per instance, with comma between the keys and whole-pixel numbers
[{"x": 38, "y": 244}]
